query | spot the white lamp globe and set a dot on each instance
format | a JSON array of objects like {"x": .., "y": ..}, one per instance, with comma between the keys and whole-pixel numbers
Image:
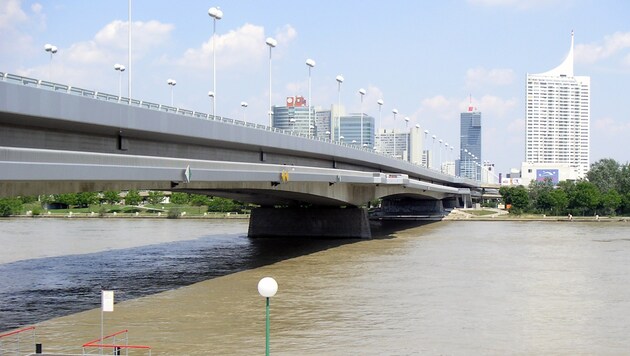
[{"x": 267, "y": 287}]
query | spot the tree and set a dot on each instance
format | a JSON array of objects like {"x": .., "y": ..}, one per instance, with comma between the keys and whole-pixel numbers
[
  {"x": 111, "y": 197},
  {"x": 133, "y": 198},
  {"x": 540, "y": 194},
  {"x": 69, "y": 199},
  {"x": 10, "y": 206},
  {"x": 224, "y": 205},
  {"x": 199, "y": 200},
  {"x": 609, "y": 202},
  {"x": 605, "y": 174},
  {"x": 155, "y": 197},
  {"x": 179, "y": 198},
  {"x": 517, "y": 197},
  {"x": 85, "y": 199},
  {"x": 559, "y": 201},
  {"x": 585, "y": 198}
]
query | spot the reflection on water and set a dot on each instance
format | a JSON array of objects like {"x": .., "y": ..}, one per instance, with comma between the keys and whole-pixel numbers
[
  {"x": 39, "y": 289},
  {"x": 450, "y": 288}
]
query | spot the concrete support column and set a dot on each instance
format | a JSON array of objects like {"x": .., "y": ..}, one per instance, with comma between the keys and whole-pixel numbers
[{"x": 310, "y": 222}]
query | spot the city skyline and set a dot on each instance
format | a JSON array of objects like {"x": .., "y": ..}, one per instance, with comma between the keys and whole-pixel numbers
[{"x": 426, "y": 61}]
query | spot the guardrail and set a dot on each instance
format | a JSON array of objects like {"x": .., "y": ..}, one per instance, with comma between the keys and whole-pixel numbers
[
  {"x": 47, "y": 85},
  {"x": 116, "y": 347},
  {"x": 10, "y": 342}
]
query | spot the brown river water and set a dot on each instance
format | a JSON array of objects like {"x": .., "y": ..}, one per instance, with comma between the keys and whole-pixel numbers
[{"x": 188, "y": 287}]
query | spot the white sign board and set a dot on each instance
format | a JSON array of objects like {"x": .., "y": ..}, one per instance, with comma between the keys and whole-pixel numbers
[{"x": 107, "y": 299}]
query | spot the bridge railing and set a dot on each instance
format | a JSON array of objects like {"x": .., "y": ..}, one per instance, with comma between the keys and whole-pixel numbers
[{"x": 47, "y": 85}]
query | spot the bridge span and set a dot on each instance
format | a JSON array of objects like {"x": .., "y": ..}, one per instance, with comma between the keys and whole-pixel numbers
[{"x": 55, "y": 139}]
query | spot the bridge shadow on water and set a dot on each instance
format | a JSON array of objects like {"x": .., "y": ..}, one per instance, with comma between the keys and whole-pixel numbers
[
  {"x": 39, "y": 289},
  {"x": 35, "y": 290}
]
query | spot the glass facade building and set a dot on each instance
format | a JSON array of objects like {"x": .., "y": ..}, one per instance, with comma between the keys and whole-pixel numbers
[
  {"x": 295, "y": 117},
  {"x": 470, "y": 141},
  {"x": 351, "y": 129}
]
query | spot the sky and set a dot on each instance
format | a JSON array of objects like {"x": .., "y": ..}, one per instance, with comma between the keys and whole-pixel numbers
[{"x": 427, "y": 59}]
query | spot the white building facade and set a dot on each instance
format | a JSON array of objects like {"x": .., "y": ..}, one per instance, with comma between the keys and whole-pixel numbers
[{"x": 558, "y": 116}]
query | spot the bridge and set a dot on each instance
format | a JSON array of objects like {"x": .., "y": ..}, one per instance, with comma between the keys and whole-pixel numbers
[{"x": 56, "y": 138}]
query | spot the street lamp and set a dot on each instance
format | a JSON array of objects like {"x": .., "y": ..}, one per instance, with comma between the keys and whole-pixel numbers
[
  {"x": 426, "y": 161},
  {"x": 339, "y": 80},
  {"x": 172, "y": 83},
  {"x": 362, "y": 93},
  {"x": 216, "y": 14},
  {"x": 440, "y": 160},
  {"x": 395, "y": 112},
  {"x": 271, "y": 43},
  {"x": 433, "y": 146},
  {"x": 243, "y": 105},
  {"x": 211, "y": 95},
  {"x": 408, "y": 136},
  {"x": 120, "y": 68},
  {"x": 292, "y": 122},
  {"x": 52, "y": 49},
  {"x": 267, "y": 287},
  {"x": 310, "y": 64}
]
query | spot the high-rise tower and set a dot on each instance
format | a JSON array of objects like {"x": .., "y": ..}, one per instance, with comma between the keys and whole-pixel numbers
[
  {"x": 558, "y": 117},
  {"x": 470, "y": 144}
]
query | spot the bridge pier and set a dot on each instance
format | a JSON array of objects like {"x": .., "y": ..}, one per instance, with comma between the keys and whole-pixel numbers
[{"x": 310, "y": 222}]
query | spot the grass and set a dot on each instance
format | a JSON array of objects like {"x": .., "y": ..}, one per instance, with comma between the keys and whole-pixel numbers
[{"x": 121, "y": 210}]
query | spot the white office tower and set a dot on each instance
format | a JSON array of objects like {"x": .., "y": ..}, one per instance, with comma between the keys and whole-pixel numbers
[{"x": 558, "y": 117}]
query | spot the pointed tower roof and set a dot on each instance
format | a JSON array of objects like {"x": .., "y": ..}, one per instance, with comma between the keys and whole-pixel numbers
[{"x": 565, "y": 68}]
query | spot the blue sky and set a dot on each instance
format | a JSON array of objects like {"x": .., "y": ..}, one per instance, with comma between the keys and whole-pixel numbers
[{"x": 424, "y": 58}]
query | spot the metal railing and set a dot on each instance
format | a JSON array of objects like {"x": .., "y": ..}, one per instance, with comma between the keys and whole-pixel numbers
[
  {"x": 47, "y": 85},
  {"x": 11, "y": 342},
  {"x": 118, "y": 344}
]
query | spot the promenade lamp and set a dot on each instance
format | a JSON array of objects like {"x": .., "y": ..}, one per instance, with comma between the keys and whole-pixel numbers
[
  {"x": 271, "y": 43},
  {"x": 120, "y": 68},
  {"x": 211, "y": 95},
  {"x": 310, "y": 64},
  {"x": 395, "y": 112},
  {"x": 292, "y": 122},
  {"x": 362, "y": 94},
  {"x": 440, "y": 160},
  {"x": 426, "y": 134},
  {"x": 52, "y": 50},
  {"x": 465, "y": 158},
  {"x": 446, "y": 149},
  {"x": 433, "y": 146},
  {"x": 243, "y": 105},
  {"x": 380, "y": 103},
  {"x": 408, "y": 132},
  {"x": 339, "y": 80},
  {"x": 171, "y": 83},
  {"x": 267, "y": 287},
  {"x": 216, "y": 14}
]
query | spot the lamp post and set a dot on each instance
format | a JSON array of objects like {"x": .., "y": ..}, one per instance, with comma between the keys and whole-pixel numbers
[
  {"x": 52, "y": 50},
  {"x": 310, "y": 64},
  {"x": 440, "y": 160},
  {"x": 339, "y": 80},
  {"x": 211, "y": 95},
  {"x": 216, "y": 14},
  {"x": 271, "y": 43},
  {"x": 433, "y": 146},
  {"x": 267, "y": 287},
  {"x": 120, "y": 68},
  {"x": 292, "y": 123},
  {"x": 243, "y": 105},
  {"x": 362, "y": 93},
  {"x": 447, "y": 156},
  {"x": 395, "y": 112},
  {"x": 171, "y": 83},
  {"x": 408, "y": 136},
  {"x": 465, "y": 164},
  {"x": 426, "y": 135}
]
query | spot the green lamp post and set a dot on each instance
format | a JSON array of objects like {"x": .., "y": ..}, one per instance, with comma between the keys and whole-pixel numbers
[{"x": 267, "y": 287}]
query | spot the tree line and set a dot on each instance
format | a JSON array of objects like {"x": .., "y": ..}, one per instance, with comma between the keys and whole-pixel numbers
[
  {"x": 604, "y": 191},
  {"x": 14, "y": 206}
]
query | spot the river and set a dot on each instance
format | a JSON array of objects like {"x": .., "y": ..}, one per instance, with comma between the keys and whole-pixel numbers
[{"x": 188, "y": 287}]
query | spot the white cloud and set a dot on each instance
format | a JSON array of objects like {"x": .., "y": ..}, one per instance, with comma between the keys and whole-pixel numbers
[
  {"x": 609, "y": 126},
  {"x": 610, "y": 46},
  {"x": 237, "y": 48},
  {"x": 11, "y": 13},
  {"x": 479, "y": 77},
  {"x": 519, "y": 4}
]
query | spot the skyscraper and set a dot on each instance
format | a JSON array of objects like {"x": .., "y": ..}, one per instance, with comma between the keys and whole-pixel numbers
[
  {"x": 558, "y": 117},
  {"x": 470, "y": 144},
  {"x": 294, "y": 116}
]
